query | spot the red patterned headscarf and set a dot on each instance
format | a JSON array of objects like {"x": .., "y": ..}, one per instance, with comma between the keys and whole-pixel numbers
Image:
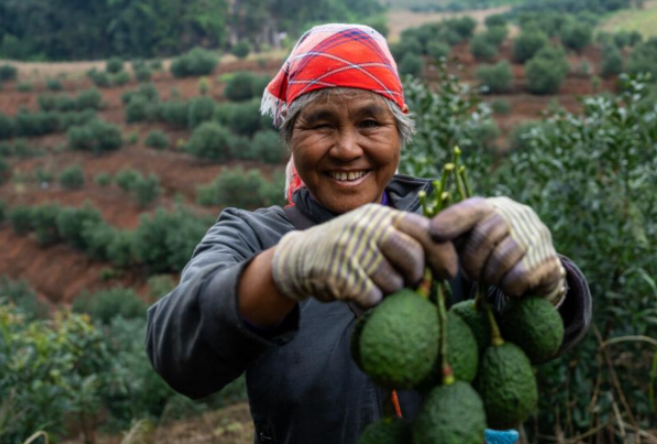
[{"x": 329, "y": 56}]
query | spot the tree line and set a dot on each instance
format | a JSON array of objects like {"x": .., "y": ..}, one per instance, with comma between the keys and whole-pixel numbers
[{"x": 83, "y": 30}]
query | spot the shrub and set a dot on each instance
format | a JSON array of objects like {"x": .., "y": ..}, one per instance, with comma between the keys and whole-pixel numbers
[
  {"x": 97, "y": 236},
  {"x": 576, "y": 35},
  {"x": 156, "y": 65},
  {"x": 242, "y": 118},
  {"x": 147, "y": 91},
  {"x": 235, "y": 188},
  {"x": 546, "y": 71},
  {"x": 36, "y": 124},
  {"x": 103, "y": 179},
  {"x": 500, "y": 107},
  {"x": 8, "y": 72},
  {"x": 268, "y": 147},
  {"x": 481, "y": 48},
  {"x": 120, "y": 79},
  {"x": 143, "y": 74},
  {"x": 75, "y": 118},
  {"x": 642, "y": 60},
  {"x": 495, "y": 20},
  {"x": 120, "y": 249},
  {"x": 527, "y": 44},
  {"x": 146, "y": 190},
  {"x": 203, "y": 85},
  {"x": 210, "y": 141},
  {"x": 201, "y": 109},
  {"x": 7, "y": 127},
  {"x": 44, "y": 223},
  {"x": 197, "y": 62},
  {"x": 106, "y": 305},
  {"x": 407, "y": 45},
  {"x": 20, "y": 219},
  {"x": 72, "y": 221},
  {"x": 99, "y": 78},
  {"x": 174, "y": 113},
  {"x": 139, "y": 109},
  {"x": 20, "y": 294},
  {"x": 241, "y": 49},
  {"x": 126, "y": 179},
  {"x": 240, "y": 87},
  {"x": 463, "y": 26},
  {"x": 42, "y": 176},
  {"x": 157, "y": 140},
  {"x": 72, "y": 178},
  {"x": 497, "y": 78},
  {"x": 89, "y": 99},
  {"x": 497, "y": 34},
  {"x": 54, "y": 85},
  {"x": 411, "y": 64},
  {"x": 114, "y": 65},
  {"x": 612, "y": 62},
  {"x": 437, "y": 50},
  {"x": 160, "y": 285},
  {"x": 520, "y": 137},
  {"x": 96, "y": 136}
]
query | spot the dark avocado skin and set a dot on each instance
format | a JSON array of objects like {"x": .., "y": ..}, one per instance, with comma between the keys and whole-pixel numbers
[
  {"x": 507, "y": 386},
  {"x": 534, "y": 325},
  {"x": 386, "y": 431},
  {"x": 476, "y": 320},
  {"x": 399, "y": 341},
  {"x": 451, "y": 414}
]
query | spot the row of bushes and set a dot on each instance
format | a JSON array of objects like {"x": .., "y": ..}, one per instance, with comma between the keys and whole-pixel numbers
[
  {"x": 237, "y": 188},
  {"x": 89, "y": 99},
  {"x": 143, "y": 189},
  {"x": 163, "y": 241},
  {"x": 96, "y": 136},
  {"x": 29, "y": 124}
]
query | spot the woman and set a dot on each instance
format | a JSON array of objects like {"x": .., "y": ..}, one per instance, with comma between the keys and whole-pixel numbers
[{"x": 254, "y": 296}]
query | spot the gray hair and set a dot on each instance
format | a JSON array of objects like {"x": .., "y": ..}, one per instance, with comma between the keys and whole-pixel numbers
[{"x": 405, "y": 122}]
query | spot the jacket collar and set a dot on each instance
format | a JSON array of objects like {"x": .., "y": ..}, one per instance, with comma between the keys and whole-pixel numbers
[{"x": 402, "y": 195}]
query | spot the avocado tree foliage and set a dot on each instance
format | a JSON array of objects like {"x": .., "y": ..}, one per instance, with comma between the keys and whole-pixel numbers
[{"x": 591, "y": 178}]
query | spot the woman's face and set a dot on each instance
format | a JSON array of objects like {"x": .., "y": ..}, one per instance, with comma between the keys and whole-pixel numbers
[{"x": 346, "y": 149}]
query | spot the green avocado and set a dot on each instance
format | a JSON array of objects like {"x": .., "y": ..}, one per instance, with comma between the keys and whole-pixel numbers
[
  {"x": 386, "y": 431},
  {"x": 462, "y": 354},
  {"x": 534, "y": 325},
  {"x": 450, "y": 414},
  {"x": 476, "y": 320},
  {"x": 399, "y": 342},
  {"x": 507, "y": 386}
]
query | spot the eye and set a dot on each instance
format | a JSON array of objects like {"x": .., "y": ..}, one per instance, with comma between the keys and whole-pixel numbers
[
  {"x": 322, "y": 126},
  {"x": 369, "y": 124}
]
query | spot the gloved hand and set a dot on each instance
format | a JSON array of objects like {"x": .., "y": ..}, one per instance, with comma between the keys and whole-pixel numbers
[
  {"x": 503, "y": 243},
  {"x": 360, "y": 256}
]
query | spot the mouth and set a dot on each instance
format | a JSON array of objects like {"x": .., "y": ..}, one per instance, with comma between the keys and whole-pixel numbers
[{"x": 348, "y": 176}]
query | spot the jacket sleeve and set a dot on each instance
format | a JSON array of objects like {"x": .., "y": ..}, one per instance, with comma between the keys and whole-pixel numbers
[{"x": 195, "y": 338}]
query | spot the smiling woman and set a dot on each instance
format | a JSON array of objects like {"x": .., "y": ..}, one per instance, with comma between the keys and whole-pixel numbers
[{"x": 276, "y": 293}]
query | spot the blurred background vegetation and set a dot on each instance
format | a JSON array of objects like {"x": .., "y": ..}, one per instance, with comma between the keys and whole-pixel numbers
[{"x": 126, "y": 126}]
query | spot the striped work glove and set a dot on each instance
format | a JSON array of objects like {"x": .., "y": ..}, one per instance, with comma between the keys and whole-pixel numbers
[
  {"x": 360, "y": 256},
  {"x": 503, "y": 243}
]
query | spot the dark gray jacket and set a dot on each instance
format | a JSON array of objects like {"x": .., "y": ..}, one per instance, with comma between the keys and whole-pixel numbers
[{"x": 302, "y": 384}]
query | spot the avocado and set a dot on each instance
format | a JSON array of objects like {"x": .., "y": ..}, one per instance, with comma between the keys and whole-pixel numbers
[
  {"x": 399, "y": 342},
  {"x": 450, "y": 414},
  {"x": 462, "y": 354},
  {"x": 386, "y": 431},
  {"x": 476, "y": 320},
  {"x": 507, "y": 386},
  {"x": 534, "y": 325}
]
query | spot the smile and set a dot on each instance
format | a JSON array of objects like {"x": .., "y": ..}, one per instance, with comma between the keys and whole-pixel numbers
[{"x": 350, "y": 176}]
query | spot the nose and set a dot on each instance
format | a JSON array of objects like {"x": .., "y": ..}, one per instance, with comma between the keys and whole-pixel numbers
[{"x": 346, "y": 147}]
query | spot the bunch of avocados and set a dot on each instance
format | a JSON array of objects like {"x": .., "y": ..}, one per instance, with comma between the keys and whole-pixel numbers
[{"x": 473, "y": 366}]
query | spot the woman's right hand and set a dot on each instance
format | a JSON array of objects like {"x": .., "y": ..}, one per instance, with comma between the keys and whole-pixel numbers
[{"x": 360, "y": 256}]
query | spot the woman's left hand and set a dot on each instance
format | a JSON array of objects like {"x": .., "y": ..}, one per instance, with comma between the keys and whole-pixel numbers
[{"x": 503, "y": 243}]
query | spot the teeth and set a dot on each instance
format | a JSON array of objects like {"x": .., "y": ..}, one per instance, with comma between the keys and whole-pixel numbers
[{"x": 351, "y": 176}]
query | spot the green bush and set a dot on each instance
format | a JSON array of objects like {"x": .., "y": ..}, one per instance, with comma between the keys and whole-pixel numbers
[
  {"x": 99, "y": 78},
  {"x": 463, "y": 26},
  {"x": 22, "y": 297},
  {"x": 126, "y": 179},
  {"x": 120, "y": 79},
  {"x": 114, "y": 65},
  {"x": 72, "y": 221},
  {"x": 54, "y": 85},
  {"x": 642, "y": 60},
  {"x": 36, "y": 124},
  {"x": 496, "y": 78},
  {"x": 241, "y": 117},
  {"x": 75, "y": 118},
  {"x": 197, "y": 62},
  {"x": 139, "y": 110},
  {"x": 97, "y": 236},
  {"x": 8, "y": 72},
  {"x": 146, "y": 190},
  {"x": 211, "y": 141},
  {"x": 7, "y": 127},
  {"x": 268, "y": 147},
  {"x": 241, "y": 49},
  {"x": 44, "y": 223},
  {"x": 495, "y": 20},
  {"x": 521, "y": 136},
  {"x": 120, "y": 249},
  {"x": 527, "y": 44},
  {"x": 576, "y": 35},
  {"x": 545, "y": 72},
  {"x": 106, "y": 305},
  {"x": 500, "y": 107},
  {"x": 143, "y": 74},
  {"x": 96, "y": 136},
  {"x": 241, "y": 86},
  {"x": 103, "y": 179},
  {"x": 156, "y": 65},
  {"x": 158, "y": 140},
  {"x": 201, "y": 109},
  {"x": 612, "y": 62},
  {"x": 21, "y": 219},
  {"x": 496, "y": 35},
  {"x": 437, "y": 50},
  {"x": 89, "y": 99},
  {"x": 234, "y": 188},
  {"x": 147, "y": 91},
  {"x": 72, "y": 178},
  {"x": 481, "y": 48},
  {"x": 411, "y": 64},
  {"x": 174, "y": 113},
  {"x": 407, "y": 45},
  {"x": 43, "y": 176}
]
